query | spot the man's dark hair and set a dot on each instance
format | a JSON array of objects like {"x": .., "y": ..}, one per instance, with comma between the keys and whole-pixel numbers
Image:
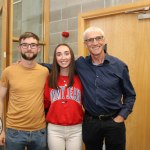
[{"x": 28, "y": 35}]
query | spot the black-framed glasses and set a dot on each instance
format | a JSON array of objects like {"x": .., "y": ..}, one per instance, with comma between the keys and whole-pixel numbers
[
  {"x": 26, "y": 45},
  {"x": 97, "y": 39}
]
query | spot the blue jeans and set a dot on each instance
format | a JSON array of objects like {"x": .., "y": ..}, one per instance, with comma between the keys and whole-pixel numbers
[{"x": 18, "y": 140}]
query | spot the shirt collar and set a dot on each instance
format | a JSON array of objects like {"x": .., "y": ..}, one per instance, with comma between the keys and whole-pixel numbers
[{"x": 107, "y": 59}]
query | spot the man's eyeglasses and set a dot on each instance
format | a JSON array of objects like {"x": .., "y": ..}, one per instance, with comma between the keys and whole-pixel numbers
[
  {"x": 97, "y": 39},
  {"x": 26, "y": 45}
]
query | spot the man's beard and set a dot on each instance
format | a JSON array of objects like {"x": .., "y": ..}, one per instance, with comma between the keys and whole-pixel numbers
[{"x": 28, "y": 58}]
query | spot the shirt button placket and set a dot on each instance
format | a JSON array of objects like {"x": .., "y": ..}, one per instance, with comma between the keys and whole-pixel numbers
[{"x": 96, "y": 87}]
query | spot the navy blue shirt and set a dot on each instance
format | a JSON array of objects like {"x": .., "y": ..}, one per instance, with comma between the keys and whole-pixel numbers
[{"x": 107, "y": 87}]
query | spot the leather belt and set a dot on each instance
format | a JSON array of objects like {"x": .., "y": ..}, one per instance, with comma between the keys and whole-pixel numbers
[{"x": 101, "y": 117}]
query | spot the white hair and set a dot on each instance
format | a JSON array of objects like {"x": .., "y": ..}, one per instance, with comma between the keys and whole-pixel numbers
[{"x": 92, "y": 29}]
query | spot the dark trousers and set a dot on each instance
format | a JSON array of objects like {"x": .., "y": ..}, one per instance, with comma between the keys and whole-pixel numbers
[{"x": 95, "y": 132}]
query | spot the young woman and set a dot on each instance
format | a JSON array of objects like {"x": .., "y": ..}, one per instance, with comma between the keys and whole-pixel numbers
[{"x": 63, "y": 97}]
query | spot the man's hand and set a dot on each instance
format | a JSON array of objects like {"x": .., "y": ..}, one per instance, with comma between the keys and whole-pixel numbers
[
  {"x": 119, "y": 119},
  {"x": 2, "y": 138}
]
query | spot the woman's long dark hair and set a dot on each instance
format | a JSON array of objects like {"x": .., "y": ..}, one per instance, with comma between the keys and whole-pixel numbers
[{"x": 53, "y": 77}]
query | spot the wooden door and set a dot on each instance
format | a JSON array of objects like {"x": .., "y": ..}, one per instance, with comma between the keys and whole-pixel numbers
[{"x": 128, "y": 38}]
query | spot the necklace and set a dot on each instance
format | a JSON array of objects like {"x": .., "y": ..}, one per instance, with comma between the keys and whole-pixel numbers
[
  {"x": 64, "y": 80},
  {"x": 65, "y": 83}
]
